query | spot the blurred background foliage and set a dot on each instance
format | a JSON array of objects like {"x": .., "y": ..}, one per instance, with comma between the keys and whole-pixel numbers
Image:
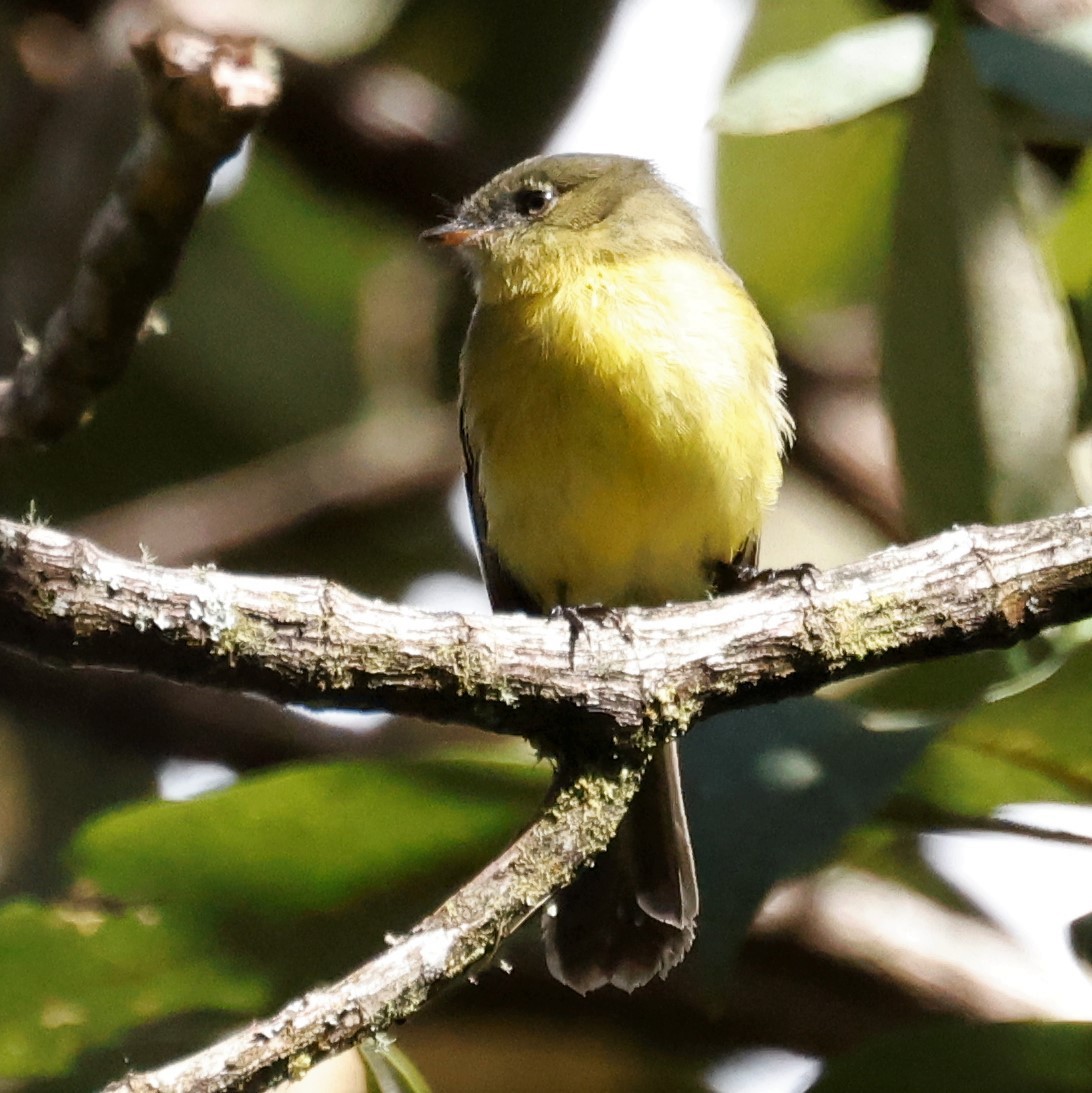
[{"x": 907, "y": 191}]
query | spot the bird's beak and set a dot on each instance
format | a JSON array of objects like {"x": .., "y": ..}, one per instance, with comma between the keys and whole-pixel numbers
[{"x": 455, "y": 233}]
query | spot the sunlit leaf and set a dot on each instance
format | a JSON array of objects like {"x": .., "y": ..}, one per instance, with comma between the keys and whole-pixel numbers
[
  {"x": 804, "y": 216},
  {"x": 847, "y": 75},
  {"x": 962, "y": 1058},
  {"x": 307, "y": 837},
  {"x": 979, "y": 369},
  {"x": 75, "y": 978},
  {"x": 1031, "y": 745},
  {"x": 858, "y": 70}
]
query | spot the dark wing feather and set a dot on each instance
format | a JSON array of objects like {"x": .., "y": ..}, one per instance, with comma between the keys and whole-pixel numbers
[
  {"x": 505, "y": 592},
  {"x": 728, "y": 577}
]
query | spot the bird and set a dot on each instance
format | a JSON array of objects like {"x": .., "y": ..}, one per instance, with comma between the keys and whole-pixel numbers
[{"x": 624, "y": 430}]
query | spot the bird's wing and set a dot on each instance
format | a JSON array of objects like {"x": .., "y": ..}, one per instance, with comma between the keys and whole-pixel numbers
[
  {"x": 728, "y": 577},
  {"x": 505, "y": 592}
]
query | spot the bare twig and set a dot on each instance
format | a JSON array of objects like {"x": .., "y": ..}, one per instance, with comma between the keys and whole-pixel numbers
[
  {"x": 312, "y": 641},
  {"x": 385, "y": 457},
  {"x": 579, "y": 823},
  {"x": 204, "y": 96}
]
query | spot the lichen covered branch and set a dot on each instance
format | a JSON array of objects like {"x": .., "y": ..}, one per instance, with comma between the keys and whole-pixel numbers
[
  {"x": 649, "y": 677},
  {"x": 580, "y": 821}
]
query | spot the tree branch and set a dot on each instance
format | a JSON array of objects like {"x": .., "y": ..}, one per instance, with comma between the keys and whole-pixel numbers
[
  {"x": 311, "y": 641},
  {"x": 204, "y": 96},
  {"x": 578, "y": 824},
  {"x": 389, "y": 454},
  {"x": 627, "y": 686}
]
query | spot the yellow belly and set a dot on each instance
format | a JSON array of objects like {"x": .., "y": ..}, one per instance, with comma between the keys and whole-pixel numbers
[{"x": 628, "y": 430}]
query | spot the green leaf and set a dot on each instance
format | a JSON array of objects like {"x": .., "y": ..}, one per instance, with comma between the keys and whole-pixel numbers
[
  {"x": 844, "y": 77},
  {"x": 1071, "y": 231},
  {"x": 390, "y": 1070},
  {"x": 1031, "y": 745},
  {"x": 321, "y": 247},
  {"x": 75, "y": 979},
  {"x": 804, "y": 216},
  {"x": 961, "y": 1058},
  {"x": 935, "y": 690},
  {"x": 1050, "y": 74},
  {"x": 770, "y": 794},
  {"x": 306, "y": 837},
  {"x": 858, "y": 70},
  {"x": 979, "y": 370}
]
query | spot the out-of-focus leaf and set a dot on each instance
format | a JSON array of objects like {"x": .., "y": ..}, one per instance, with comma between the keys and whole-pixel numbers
[
  {"x": 870, "y": 66},
  {"x": 804, "y": 216},
  {"x": 770, "y": 793},
  {"x": 934, "y": 690},
  {"x": 304, "y": 838},
  {"x": 847, "y": 75},
  {"x": 390, "y": 1070},
  {"x": 253, "y": 359},
  {"x": 1005, "y": 1058},
  {"x": 1032, "y": 745},
  {"x": 321, "y": 247},
  {"x": 894, "y": 851},
  {"x": 790, "y": 26},
  {"x": 75, "y": 978},
  {"x": 1051, "y": 74},
  {"x": 979, "y": 369},
  {"x": 1069, "y": 236}
]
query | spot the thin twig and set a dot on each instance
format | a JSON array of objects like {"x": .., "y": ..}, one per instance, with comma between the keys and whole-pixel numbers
[
  {"x": 204, "y": 96},
  {"x": 385, "y": 457},
  {"x": 579, "y": 823}
]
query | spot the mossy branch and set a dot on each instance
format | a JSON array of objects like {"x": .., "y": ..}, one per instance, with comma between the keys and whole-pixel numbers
[
  {"x": 625, "y": 684},
  {"x": 619, "y": 688}
]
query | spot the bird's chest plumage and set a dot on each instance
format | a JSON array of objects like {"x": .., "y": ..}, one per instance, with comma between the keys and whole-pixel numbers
[{"x": 625, "y": 435}]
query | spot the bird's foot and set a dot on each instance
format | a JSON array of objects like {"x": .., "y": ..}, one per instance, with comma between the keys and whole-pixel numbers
[
  {"x": 740, "y": 578},
  {"x": 578, "y": 618}
]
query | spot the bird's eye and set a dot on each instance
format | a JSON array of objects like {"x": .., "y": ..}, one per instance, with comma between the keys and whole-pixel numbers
[{"x": 535, "y": 201}]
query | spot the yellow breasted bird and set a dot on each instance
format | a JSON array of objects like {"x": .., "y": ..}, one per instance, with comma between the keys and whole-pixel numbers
[{"x": 624, "y": 429}]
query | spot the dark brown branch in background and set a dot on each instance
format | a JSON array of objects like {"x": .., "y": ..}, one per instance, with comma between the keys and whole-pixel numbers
[
  {"x": 150, "y": 716},
  {"x": 312, "y": 641},
  {"x": 389, "y": 455},
  {"x": 204, "y": 96}
]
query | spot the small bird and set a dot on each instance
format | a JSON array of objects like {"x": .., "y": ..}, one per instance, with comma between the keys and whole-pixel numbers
[{"x": 623, "y": 427}]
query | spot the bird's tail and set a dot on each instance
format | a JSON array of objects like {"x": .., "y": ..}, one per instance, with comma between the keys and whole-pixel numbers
[{"x": 631, "y": 915}]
